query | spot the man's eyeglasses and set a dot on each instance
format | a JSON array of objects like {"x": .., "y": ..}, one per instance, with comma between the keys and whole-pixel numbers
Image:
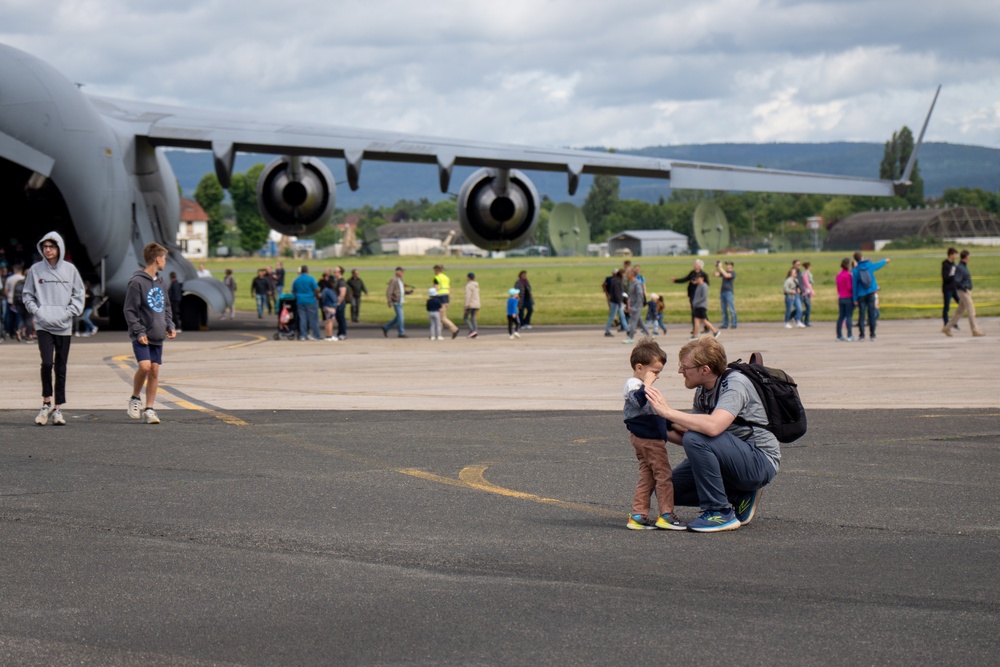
[{"x": 688, "y": 368}]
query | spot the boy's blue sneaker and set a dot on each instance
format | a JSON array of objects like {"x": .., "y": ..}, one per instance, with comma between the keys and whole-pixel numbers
[
  {"x": 670, "y": 522},
  {"x": 715, "y": 521},
  {"x": 639, "y": 522},
  {"x": 745, "y": 506}
]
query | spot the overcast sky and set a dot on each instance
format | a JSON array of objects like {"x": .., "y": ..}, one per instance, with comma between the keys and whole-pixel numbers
[{"x": 545, "y": 72}]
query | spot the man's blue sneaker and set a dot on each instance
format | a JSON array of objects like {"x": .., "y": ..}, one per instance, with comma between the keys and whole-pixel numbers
[
  {"x": 745, "y": 506},
  {"x": 715, "y": 521},
  {"x": 639, "y": 522}
]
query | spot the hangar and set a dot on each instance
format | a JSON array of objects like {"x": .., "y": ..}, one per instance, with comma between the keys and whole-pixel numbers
[
  {"x": 873, "y": 229},
  {"x": 648, "y": 243}
]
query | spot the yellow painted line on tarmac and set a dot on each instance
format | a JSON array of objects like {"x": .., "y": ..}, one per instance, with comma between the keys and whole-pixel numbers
[
  {"x": 255, "y": 339},
  {"x": 473, "y": 477},
  {"x": 221, "y": 416}
]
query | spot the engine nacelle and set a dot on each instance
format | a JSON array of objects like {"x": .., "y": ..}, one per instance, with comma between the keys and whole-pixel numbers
[
  {"x": 498, "y": 208},
  {"x": 296, "y": 195}
]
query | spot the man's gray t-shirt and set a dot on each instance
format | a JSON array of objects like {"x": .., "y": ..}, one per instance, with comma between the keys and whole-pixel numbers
[
  {"x": 739, "y": 397},
  {"x": 727, "y": 283}
]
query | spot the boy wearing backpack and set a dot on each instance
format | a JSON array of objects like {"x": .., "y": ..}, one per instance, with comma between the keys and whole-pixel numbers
[
  {"x": 729, "y": 460},
  {"x": 865, "y": 287}
]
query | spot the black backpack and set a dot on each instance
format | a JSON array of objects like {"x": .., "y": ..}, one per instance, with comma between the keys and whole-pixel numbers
[{"x": 780, "y": 395}]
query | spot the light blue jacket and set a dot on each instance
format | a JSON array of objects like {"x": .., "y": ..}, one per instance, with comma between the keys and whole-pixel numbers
[{"x": 865, "y": 265}]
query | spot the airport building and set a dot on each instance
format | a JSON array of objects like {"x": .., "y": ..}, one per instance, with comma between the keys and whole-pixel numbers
[
  {"x": 192, "y": 233},
  {"x": 648, "y": 243},
  {"x": 872, "y": 230}
]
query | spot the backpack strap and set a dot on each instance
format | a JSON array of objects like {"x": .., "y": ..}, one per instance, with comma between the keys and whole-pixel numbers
[{"x": 757, "y": 358}]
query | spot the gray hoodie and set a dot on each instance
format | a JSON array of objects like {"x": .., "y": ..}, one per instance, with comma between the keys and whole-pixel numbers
[
  {"x": 53, "y": 294},
  {"x": 147, "y": 308}
]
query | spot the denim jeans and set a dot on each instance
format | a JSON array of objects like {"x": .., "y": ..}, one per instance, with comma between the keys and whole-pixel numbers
[
  {"x": 396, "y": 321},
  {"x": 87, "y": 322},
  {"x": 792, "y": 307},
  {"x": 846, "y": 306},
  {"x": 807, "y": 307},
  {"x": 728, "y": 309},
  {"x": 309, "y": 320},
  {"x": 948, "y": 297},
  {"x": 341, "y": 320},
  {"x": 615, "y": 309},
  {"x": 866, "y": 308},
  {"x": 470, "y": 319},
  {"x": 261, "y": 302},
  {"x": 718, "y": 470}
]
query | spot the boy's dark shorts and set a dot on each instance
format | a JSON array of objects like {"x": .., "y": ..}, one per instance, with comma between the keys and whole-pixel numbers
[
  {"x": 700, "y": 313},
  {"x": 151, "y": 353}
]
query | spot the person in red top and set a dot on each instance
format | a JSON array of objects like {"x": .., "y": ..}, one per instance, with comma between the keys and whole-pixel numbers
[{"x": 845, "y": 294}]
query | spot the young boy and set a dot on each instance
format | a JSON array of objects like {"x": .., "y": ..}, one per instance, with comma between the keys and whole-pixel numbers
[
  {"x": 699, "y": 307},
  {"x": 147, "y": 312},
  {"x": 434, "y": 307},
  {"x": 53, "y": 294},
  {"x": 512, "y": 322},
  {"x": 648, "y": 435}
]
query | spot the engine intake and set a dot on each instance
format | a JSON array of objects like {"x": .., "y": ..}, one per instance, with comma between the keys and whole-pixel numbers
[
  {"x": 296, "y": 195},
  {"x": 498, "y": 208}
]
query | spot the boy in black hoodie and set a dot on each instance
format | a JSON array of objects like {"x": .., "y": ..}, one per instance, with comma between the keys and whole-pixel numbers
[
  {"x": 648, "y": 435},
  {"x": 147, "y": 311}
]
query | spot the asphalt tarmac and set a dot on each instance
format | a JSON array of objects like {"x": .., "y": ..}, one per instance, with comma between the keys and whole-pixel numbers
[{"x": 490, "y": 528}]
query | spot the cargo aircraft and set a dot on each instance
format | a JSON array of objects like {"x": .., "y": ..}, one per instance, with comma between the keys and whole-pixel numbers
[{"x": 93, "y": 169}]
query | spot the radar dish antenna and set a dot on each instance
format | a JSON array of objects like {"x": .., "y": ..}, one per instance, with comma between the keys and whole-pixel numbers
[
  {"x": 569, "y": 231},
  {"x": 711, "y": 230}
]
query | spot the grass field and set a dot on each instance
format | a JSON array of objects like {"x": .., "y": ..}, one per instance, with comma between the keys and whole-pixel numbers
[{"x": 568, "y": 290}]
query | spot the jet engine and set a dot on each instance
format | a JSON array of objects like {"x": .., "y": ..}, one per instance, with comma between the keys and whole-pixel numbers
[
  {"x": 498, "y": 208},
  {"x": 296, "y": 195}
]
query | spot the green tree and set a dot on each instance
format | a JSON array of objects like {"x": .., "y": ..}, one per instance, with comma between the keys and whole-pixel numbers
[
  {"x": 600, "y": 202},
  {"x": 243, "y": 190},
  {"x": 209, "y": 195},
  {"x": 964, "y": 196},
  {"x": 894, "y": 158}
]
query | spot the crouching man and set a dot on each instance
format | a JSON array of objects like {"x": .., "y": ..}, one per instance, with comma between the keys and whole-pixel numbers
[{"x": 728, "y": 462}]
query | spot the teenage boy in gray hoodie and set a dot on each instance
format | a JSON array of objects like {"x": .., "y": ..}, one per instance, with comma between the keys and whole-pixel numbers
[
  {"x": 53, "y": 294},
  {"x": 147, "y": 312}
]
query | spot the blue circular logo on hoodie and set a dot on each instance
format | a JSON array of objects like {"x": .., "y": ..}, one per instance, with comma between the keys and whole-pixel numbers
[{"x": 154, "y": 298}]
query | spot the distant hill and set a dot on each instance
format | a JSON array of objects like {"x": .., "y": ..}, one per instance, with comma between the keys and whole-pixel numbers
[{"x": 942, "y": 166}]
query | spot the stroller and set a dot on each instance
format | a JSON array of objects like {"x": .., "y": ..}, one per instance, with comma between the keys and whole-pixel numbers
[{"x": 288, "y": 318}]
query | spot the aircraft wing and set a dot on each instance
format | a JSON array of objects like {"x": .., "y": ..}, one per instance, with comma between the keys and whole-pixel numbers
[{"x": 225, "y": 134}]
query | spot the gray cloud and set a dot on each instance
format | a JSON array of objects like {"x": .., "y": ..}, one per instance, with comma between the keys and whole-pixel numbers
[{"x": 556, "y": 73}]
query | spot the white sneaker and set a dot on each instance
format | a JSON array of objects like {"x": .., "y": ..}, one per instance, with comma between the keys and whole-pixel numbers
[
  {"x": 512, "y": 336},
  {"x": 149, "y": 416},
  {"x": 517, "y": 335},
  {"x": 788, "y": 325},
  {"x": 57, "y": 418},
  {"x": 333, "y": 338},
  {"x": 627, "y": 341},
  {"x": 134, "y": 408},
  {"x": 43, "y": 415},
  {"x": 800, "y": 325},
  {"x": 440, "y": 337}
]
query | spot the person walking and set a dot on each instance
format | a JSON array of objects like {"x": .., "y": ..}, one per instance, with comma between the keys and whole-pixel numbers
[
  {"x": 444, "y": 294},
  {"x": 355, "y": 288},
  {"x": 698, "y": 269},
  {"x": 636, "y": 300},
  {"x": 53, "y": 294},
  {"x": 963, "y": 287},
  {"x": 472, "y": 304},
  {"x": 259, "y": 289},
  {"x": 948, "y": 289},
  {"x": 526, "y": 306},
  {"x": 175, "y": 293},
  {"x": 614, "y": 291},
  {"x": 395, "y": 295},
  {"x": 230, "y": 282}
]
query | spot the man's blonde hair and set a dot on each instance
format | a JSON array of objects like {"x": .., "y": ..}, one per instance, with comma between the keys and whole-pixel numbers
[{"x": 705, "y": 351}]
